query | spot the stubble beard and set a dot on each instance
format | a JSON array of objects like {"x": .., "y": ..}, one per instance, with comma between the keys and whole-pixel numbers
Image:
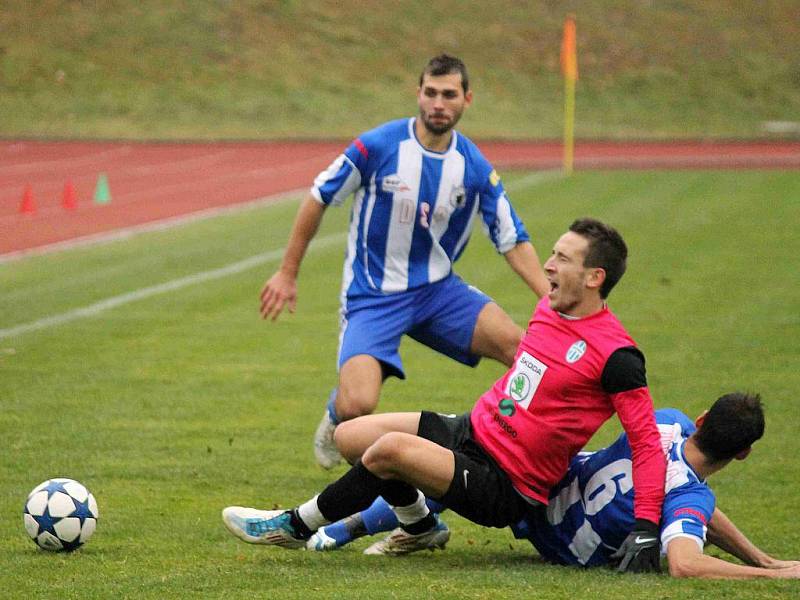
[{"x": 438, "y": 129}]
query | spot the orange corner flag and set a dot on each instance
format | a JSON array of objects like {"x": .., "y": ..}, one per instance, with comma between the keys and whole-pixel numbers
[
  {"x": 569, "y": 53},
  {"x": 569, "y": 66}
]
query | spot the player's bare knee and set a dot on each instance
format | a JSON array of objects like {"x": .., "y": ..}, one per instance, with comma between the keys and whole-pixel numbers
[
  {"x": 382, "y": 457},
  {"x": 345, "y": 438},
  {"x": 352, "y": 402}
]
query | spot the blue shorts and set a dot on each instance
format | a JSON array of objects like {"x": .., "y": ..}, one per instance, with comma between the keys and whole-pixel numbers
[{"x": 441, "y": 315}]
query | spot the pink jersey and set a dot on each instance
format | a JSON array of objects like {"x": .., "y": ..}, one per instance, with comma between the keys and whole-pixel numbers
[{"x": 559, "y": 391}]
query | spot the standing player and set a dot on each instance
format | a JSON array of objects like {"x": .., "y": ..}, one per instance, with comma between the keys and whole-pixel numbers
[
  {"x": 574, "y": 368},
  {"x": 591, "y": 509},
  {"x": 418, "y": 186}
]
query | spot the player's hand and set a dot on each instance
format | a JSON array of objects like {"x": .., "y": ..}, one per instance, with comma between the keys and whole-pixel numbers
[
  {"x": 640, "y": 552},
  {"x": 776, "y": 563},
  {"x": 786, "y": 573},
  {"x": 280, "y": 290}
]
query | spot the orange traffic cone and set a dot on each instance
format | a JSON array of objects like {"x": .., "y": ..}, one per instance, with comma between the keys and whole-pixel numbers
[
  {"x": 68, "y": 198},
  {"x": 28, "y": 204}
]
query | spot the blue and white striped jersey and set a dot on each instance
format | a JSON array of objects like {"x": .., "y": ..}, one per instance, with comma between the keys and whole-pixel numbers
[
  {"x": 591, "y": 510},
  {"x": 413, "y": 209}
]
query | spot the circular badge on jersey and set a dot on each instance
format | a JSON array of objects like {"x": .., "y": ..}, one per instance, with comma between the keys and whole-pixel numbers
[
  {"x": 519, "y": 387},
  {"x": 576, "y": 351}
]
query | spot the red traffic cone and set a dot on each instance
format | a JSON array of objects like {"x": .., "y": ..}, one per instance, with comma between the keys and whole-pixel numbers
[
  {"x": 28, "y": 204},
  {"x": 69, "y": 200}
]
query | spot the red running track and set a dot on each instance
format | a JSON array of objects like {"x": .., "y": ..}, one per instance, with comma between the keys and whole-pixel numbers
[{"x": 151, "y": 182}]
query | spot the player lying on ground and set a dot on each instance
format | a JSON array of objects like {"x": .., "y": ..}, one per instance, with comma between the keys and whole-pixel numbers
[
  {"x": 591, "y": 509},
  {"x": 574, "y": 368},
  {"x": 418, "y": 187}
]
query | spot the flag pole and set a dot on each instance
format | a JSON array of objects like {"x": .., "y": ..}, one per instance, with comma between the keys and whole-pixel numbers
[
  {"x": 569, "y": 125},
  {"x": 569, "y": 67}
]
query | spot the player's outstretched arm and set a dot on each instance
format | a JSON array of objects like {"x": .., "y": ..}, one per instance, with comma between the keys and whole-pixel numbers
[
  {"x": 281, "y": 288},
  {"x": 525, "y": 262},
  {"x": 687, "y": 560},
  {"x": 724, "y": 534}
]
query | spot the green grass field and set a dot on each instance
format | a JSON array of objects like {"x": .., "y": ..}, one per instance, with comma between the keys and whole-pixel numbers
[{"x": 171, "y": 407}]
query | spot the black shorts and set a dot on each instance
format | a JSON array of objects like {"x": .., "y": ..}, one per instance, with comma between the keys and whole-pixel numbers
[{"x": 480, "y": 491}]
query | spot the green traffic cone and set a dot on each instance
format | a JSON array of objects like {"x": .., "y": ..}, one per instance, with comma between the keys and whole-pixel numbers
[{"x": 102, "y": 195}]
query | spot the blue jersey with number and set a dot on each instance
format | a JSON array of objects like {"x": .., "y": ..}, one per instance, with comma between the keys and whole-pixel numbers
[
  {"x": 413, "y": 208},
  {"x": 591, "y": 510}
]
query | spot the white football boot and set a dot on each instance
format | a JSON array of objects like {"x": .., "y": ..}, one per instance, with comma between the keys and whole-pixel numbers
[
  {"x": 400, "y": 542},
  {"x": 321, "y": 542},
  {"x": 325, "y": 450}
]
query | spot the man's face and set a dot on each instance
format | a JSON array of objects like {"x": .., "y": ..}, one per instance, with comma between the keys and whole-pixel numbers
[
  {"x": 441, "y": 102},
  {"x": 567, "y": 276}
]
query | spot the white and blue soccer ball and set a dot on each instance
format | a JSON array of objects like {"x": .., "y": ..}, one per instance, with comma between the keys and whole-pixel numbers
[{"x": 60, "y": 514}]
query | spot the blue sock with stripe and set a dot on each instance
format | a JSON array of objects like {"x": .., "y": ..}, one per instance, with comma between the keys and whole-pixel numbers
[{"x": 332, "y": 406}]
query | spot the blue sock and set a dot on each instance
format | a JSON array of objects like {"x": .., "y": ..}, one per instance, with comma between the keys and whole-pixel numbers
[
  {"x": 380, "y": 516},
  {"x": 377, "y": 518},
  {"x": 339, "y": 532},
  {"x": 332, "y": 407},
  {"x": 434, "y": 506}
]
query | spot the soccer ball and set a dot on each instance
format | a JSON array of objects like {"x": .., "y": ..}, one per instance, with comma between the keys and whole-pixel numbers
[{"x": 60, "y": 514}]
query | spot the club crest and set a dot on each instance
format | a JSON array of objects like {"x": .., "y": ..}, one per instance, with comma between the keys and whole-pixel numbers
[{"x": 576, "y": 351}]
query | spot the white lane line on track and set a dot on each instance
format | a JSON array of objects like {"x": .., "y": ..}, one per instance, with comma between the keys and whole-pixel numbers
[
  {"x": 88, "y": 158},
  {"x": 91, "y": 310},
  {"x": 162, "y": 288},
  {"x": 153, "y": 192},
  {"x": 106, "y": 237}
]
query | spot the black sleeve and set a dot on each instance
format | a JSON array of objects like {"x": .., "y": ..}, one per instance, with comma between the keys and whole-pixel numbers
[{"x": 624, "y": 371}]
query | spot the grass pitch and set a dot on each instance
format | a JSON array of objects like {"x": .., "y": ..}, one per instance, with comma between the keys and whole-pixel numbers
[{"x": 171, "y": 407}]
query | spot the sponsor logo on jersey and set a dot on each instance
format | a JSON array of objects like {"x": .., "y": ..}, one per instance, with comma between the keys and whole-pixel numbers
[
  {"x": 393, "y": 183},
  {"x": 507, "y": 407},
  {"x": 519, "y": 386},
  {"x": 494, "y": 178},
  {"x": 525, "y": 379},
  {"x": 576, "y": 351},
  {"x": 690, "y": 511},
  {"x": 504, "y": 425}
]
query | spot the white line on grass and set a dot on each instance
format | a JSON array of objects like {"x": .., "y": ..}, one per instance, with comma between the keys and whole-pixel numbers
[
  {"x": 534, "y": 178},
  {"x": 162, "y": 288},
  {"x": 231, "y": 269}
]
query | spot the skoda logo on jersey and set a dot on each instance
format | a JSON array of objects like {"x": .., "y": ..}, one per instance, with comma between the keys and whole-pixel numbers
[
  {"x": 519, "y": 387},
  {"x": 576, "y": 351}
]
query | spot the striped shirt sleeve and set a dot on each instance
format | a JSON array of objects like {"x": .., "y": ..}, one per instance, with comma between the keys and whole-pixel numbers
[
  {"x": 343, "y": 176},
  {"x": 500, "y": 222}
]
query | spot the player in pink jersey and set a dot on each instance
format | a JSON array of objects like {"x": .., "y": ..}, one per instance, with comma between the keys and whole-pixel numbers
[{"x": 575, "y": 367}]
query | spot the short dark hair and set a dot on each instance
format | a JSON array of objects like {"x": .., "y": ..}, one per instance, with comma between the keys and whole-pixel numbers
[
  {"x": 607, "y": 250},
  {"x": 731, "y": 425},
  {"x": 444, "y": 64}
]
